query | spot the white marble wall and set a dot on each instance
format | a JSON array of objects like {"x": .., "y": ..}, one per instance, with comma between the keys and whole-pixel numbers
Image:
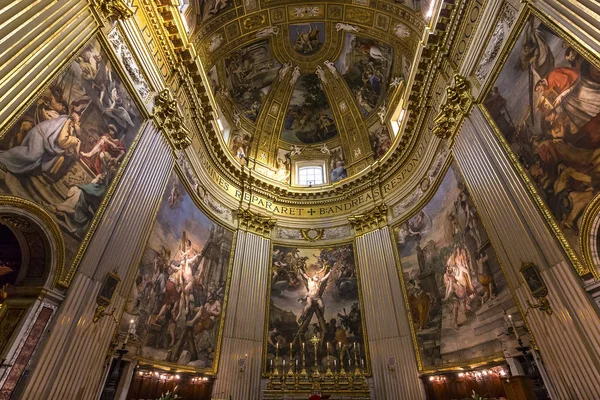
[
  {"x": 73, "y": 358},
  {"x": 244, "y": 320},
  {"x": 569, "y": 340},
  {"x": 386, "y": 319}
]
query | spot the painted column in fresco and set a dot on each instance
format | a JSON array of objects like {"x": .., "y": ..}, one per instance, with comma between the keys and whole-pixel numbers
[
  {"x": 520, "y": 234},
  {"x": 239, "y": 371},
  {"x": 63, "y": 369},
  {"x": 393, "y": 362}
]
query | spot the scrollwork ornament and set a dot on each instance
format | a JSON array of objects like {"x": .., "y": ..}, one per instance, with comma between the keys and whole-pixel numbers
[
  {"x": 113, "y": 9},
  {"x": 456, "y": 107},
  {"x": 255, "y": 223},
  {"x": 169, "y": 119}
]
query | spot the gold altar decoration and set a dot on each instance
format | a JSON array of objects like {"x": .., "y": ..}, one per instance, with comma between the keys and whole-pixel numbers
[
  {"x": 458, "y": 104},
  {"x": 170, "y": 120},
  {"x": 350, "y": 384},
  {"x": 374, "y": 219}
]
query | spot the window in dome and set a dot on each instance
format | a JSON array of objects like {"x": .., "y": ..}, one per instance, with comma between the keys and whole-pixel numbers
[{"x": 310, "y": 175}]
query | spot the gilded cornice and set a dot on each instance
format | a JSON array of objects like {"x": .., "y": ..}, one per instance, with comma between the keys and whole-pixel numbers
[
  {"x": 169, "y": 120},
  {"x": 255, "y": 223},
  {"x": 414, "y": 141},
  {"x": 454, "y": 110},
  {"x": 370, "y": 221},
  {"x": 112, "y": 9}
]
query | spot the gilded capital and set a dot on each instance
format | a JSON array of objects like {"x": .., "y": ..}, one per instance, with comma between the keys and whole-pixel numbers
[
  {"x": 116, "y": 9},
  {"x": 453, "y": 111},
  {"x": 370, "y": 221},
  {"x": 255, "y": 223},
  {"x": 169, "y": 119}
]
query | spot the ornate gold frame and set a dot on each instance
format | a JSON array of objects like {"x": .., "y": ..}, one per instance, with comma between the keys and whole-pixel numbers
[
  {"x": 368, "y": 371},
  {"x": 587, "y": 223},
  {"x": 474, "y": 362},
  {"x": 581, "y": 268},
  {"x": 193, "y": 195}
]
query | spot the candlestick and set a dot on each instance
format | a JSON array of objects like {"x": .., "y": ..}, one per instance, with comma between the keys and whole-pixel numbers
[
  {"x": 276, "y": 372},
  {"x": 315, "y": 341}
]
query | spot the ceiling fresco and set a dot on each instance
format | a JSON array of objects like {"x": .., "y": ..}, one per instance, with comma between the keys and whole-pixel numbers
[
  {"x": 309, "y": 118},
  {"x": 318, "y": 76},
  {"x": 366, "y": 65},
  {"x": 250, "y": 72}
]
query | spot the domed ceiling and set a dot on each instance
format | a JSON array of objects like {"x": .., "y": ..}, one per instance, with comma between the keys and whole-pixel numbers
[{"x": 301, "y": 83}]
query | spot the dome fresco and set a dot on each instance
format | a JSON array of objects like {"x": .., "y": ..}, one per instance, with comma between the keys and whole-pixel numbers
[{"x": 317, "y": 82}]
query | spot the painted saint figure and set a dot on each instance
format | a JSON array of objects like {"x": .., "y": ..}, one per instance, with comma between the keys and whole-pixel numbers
[{"x": 315, "y": 286}]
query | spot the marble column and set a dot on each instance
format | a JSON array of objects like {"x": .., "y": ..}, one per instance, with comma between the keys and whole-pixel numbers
[
  {"x": 239, "y": 369},
  {"x": 393, "y": 361},
  {"x": 569, "y": 339},
  {"x": 72, "y": 362}
]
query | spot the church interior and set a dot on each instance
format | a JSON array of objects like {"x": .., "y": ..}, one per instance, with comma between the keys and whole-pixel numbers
[{"x": 341, "y": 199}]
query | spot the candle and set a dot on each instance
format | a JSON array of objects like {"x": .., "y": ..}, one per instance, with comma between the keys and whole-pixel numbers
[
  {"x": 271, "y": 364},
  {"x": 513, "y": 326},
  {"x": 284, "y": 363},
  {"x": 302, "y": 346},
  {"x": 335, "y": 365},
  {"x": 327, "y": 347},
  {"x": 277, "y": 346}
]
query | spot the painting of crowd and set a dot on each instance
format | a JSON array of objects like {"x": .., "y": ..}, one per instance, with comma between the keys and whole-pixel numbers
[
  {"x": 177, "y": 301},
  {"x": 67, "y": 147},
  {"x": 546, "y": 103},
  {"x": 314, "y": 293},
  {"x": 456, "y": 290}
]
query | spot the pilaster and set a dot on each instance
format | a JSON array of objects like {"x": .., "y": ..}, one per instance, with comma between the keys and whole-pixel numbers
[
  {"x": 239, "y": 373},
  {"x": 520, "y": 234},
  {"x": 393, "y": 362}
]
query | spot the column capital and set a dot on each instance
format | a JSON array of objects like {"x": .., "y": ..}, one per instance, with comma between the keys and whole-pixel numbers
[
  {"x": 255, "y": 223},
  {"x": 370, "y": 221},
  {"x": 169, "y": 120},
  {"x": 454, "y": 110},
  {"x": 116, "y": 9}
]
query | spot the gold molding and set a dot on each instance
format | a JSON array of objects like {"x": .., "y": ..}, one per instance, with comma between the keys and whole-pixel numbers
[
  {"x": 587, "y": 225},
  {"x": 108, "y": 9},
  {"x": 457, "y": 106},
  {"x": 169, "y": 120},
  {"x": 255, "y": 223},
  {"x": 52, "y": 229},
  {"x": 370, "y": 221},
  {"x": 306, "y": 236}
]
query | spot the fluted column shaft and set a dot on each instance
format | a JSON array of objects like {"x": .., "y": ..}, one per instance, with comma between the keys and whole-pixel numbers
[
  {"x": 390, "y": 339},
  {"x": 72, "y": 361},
  {"x": 569, "y": 339},
  {"x": 243, "y": 333}
]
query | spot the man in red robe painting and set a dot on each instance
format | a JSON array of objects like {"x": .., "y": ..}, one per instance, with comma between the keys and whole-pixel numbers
[{"x": 107, "y": 153}]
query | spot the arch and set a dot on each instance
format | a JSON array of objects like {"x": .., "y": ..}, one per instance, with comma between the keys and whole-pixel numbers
[
  {"x": 29, "y": 298},
  {"x": 15, "y": 208},
  {"x": 589, "y": 239}
]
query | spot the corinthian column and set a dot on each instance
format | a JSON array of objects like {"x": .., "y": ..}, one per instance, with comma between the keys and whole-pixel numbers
[
  {"x": 239, "y": 372},
  {"x": 395, "y": 373}
]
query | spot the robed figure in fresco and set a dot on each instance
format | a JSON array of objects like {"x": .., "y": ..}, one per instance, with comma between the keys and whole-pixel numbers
[{"x": 549, "y": 111}]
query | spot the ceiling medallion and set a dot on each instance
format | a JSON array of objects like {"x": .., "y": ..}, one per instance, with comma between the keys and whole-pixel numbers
[{"x": 312, "y": 235}]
